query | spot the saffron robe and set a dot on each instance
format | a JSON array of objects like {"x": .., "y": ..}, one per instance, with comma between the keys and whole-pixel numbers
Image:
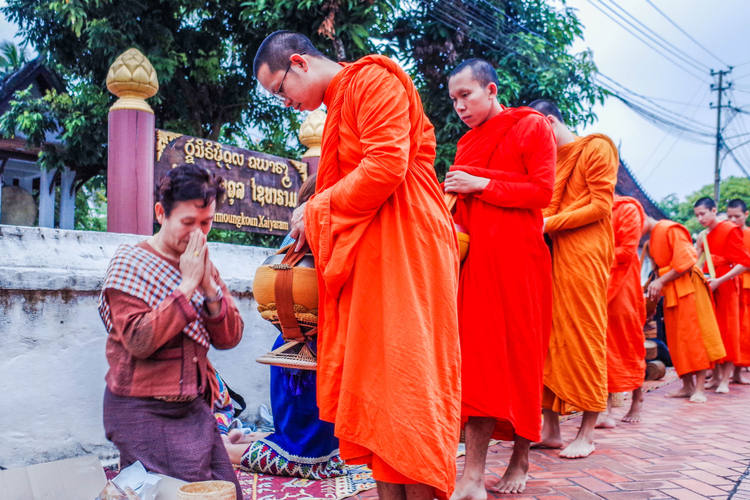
[
  {"x": 727, "y": 249},
  {"x": 505, "y": 290},
  {"x": 386, "y": 253},
  {"x": 579, "y": 225},
  {"x": 743, "y": 359},
  {"x": 690, "y": 322},
  {"x": 626, "y": 307}
]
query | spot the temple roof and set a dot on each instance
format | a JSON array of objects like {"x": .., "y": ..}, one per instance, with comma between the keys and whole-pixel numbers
[{"x": 627, "y": 185}]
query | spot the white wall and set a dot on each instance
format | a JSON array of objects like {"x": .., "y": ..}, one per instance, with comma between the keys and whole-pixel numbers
[{"x": 52, "y": 362}]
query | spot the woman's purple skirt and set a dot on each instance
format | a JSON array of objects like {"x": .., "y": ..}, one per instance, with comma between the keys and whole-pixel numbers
[{"x": 176, "y": 439}]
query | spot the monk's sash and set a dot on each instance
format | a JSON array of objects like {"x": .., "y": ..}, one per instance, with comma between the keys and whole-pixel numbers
[
  {"x": 335, "y": 266},
  {"x": 662, "y": 255},
  {"x": 566, "y": 168},
  {"x": 718, "y": 241},
  {"x": 148, "y": 277},
  {"x": 745, "y": 277}
]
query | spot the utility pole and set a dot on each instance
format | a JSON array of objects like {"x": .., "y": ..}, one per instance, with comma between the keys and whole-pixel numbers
[{"x": 720, "y": 89}]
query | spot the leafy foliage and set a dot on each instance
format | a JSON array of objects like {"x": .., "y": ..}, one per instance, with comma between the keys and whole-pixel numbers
[
  {"x": 528, "y": 42},
  {"x": 682, "y": 212},
  {"x": 12, "y": 58}
]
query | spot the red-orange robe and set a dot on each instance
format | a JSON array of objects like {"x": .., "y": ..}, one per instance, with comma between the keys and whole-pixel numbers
[
  {"x": 579, "y": 223},
  {"x": 744, "y": 356},
  {"x": 387, "y": 258},
  {"x": 692, "y": 332},
  {"x": 626, "y": 307},
  {"x": 505, "y": 291},
  {"x": 727, "y": 249}
]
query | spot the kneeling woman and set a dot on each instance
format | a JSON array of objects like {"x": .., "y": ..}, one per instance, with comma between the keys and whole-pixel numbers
[{"x": 163, "y": 304}]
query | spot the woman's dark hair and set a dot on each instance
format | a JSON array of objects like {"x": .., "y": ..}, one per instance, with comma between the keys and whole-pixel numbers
[
  {"x": 307, "y": 189},
  {"x": 189, "y": 182}
]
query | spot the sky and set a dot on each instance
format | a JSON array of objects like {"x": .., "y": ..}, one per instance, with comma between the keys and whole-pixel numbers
[{"x": 663, "y": 162}]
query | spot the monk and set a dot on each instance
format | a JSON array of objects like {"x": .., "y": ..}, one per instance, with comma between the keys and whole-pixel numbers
[
  {"x": 626, "y": 312},
  {"x": 503, "y": 173},
  {"x": 690, "y": 322},
  {"x": 737, "y": 213},
  {"x": 386, "y": 252},
  {"x": 578, "y": 222},
  {"x": 727, "y": 255}
]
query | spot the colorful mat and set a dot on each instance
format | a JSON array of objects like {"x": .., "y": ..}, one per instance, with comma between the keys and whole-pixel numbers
[{"x": 264, "y": 487}]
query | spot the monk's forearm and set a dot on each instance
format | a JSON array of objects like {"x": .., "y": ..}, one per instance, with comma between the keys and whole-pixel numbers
[
  {"x": 736, "y": 270},
  {"x": 672, "y": 275},
  {"x": 575, "y": 218},
  {"x": 516, "y": 194}
]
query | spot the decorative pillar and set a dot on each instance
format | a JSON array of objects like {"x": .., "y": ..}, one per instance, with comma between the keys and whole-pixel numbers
[
  {"x": 47, "y": 198},
  {"x": 130, "y": 156},
  {"x": 311, "y": 135},
  {"x": 67, "y": 199}
]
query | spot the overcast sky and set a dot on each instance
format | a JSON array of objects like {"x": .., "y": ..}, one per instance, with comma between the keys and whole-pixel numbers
[{"x": 663, "y": 162}]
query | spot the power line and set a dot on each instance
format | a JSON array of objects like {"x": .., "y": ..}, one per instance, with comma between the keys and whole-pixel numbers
[
  {"x": 657, "y": 38},
  {"x": 661, "y": 52},
  {"x": 657, "y": 9}
]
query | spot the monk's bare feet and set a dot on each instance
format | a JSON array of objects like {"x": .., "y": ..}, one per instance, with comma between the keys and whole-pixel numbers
[
  {"x": 548, "y": 444},
  {"x": 605, "y": 421},
  {"x": 723, "y": 387},
  {"x": 713, "y": 382},
  {"x": 469, "y": 489},
  {"x": 685, "y": 392},
  {"x": 517, "y": 473},
  {"x": 698, "y": 397},
  {"x": 737, "y": 376},
  {"x": 578, "y": 448},
  {"x": 634, "y": 414}
]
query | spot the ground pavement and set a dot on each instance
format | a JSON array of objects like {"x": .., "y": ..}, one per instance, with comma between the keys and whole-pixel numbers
[{"x": 680, "y": 450}]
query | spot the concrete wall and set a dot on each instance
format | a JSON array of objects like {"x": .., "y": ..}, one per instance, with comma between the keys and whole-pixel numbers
[{"x": 52, "y": 362}]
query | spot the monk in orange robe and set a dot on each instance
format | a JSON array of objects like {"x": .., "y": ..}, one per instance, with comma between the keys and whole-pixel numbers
[
  {"x": 386, "y": 252},
  {"x": 578, "y": 222},
  {"x": 503, "y": 173},
  {"x": 737, "y": 213},
  {"x": 626, "y": 311},
  {"x": 725, "y": 250},
  {"x": 692, "y": 332}
]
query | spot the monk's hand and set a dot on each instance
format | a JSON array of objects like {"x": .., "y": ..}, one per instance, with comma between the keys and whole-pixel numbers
[
  {"x": 298, "y": 227},
  {"x": 192, "y": 263},
  {"x": 714, "y": 283},
  {"x": 458, "y": 181},
  {"x": 654, "y": 289}
]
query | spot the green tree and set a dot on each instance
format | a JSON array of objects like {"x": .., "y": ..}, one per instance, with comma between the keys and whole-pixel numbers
[
  {"x": 527, "y": 41},
  {"x": 12, "y": 58},
  {"x": 682, "y": 212}
]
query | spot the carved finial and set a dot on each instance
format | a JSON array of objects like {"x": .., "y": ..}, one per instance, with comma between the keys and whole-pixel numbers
[
  {"x": 311, "y": 132},
  {"x": 132, "y": 78}
]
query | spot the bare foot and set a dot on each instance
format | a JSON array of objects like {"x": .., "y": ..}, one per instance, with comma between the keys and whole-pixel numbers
[
  {"x": 236, "y": 436},
  {"x": 723, "y": 387},
  {"x": 579, "y": 448},
  {"x": 737, "y": 377},
  {"x": 467, "y": 489},
  {"x": 605, "y": 421},
  {"x": 514, "y": 479},
  {"x": 547, "y": 444},
  {"x": 698, "y": 397},
  {"x": 634, "y": 414},
  {"x": 712, "y": 382},
  {"x": 685, "y": 392}
]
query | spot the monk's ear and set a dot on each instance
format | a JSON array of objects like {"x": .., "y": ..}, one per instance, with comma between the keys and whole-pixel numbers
[
  {"x": 299, "y": 61},
  {"x": 492, "y": 88}
]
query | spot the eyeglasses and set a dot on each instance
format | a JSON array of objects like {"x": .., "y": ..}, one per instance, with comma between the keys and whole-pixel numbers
[{"x": 279, "y": 93}]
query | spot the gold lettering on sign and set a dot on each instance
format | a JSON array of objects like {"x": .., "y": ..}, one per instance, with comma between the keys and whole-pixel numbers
[
  {"x": 212, "y": 151},
  {"x": 235, "y": 190},
  {"x": 272, "y": 196},
  {"x": 163, "y": 138},
  {"x": 243, "y": 220}
]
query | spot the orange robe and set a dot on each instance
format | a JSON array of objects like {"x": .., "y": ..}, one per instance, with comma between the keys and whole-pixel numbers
[
  {"x": 387, "y": 258},
  {"x": 744, "y": 356},
  {"x": 626, "y": 307},
  {"x": 727, "y": 248},
  {"x": 505, "y": 291},
  {"x": 579, "y": 224},
  {"x": 690, "y": 322}
]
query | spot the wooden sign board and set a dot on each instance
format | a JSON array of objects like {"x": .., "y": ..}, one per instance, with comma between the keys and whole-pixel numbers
[{"x": 261, "y": 188}]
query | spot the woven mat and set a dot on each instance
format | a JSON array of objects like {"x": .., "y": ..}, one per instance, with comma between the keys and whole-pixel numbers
[{"x": 264, "y": 487}]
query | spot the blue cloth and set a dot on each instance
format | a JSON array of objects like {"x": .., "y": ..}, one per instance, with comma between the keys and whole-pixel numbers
[{"x": 299, "y": 430}]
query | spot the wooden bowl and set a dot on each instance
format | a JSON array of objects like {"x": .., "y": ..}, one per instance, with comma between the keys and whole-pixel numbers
[
  {"x": 207, "y": 490},
  {"x": 652, "y": 349},
  {"x": 655, "y": 370}
]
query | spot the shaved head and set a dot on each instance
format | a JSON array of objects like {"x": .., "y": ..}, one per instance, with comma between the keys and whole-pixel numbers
[
  {"x": 547, "y": 107},
  {"x": 737, "y": 203},
  {"x": 705, "y": 202},
  {"x": 278, "y": 47},
  {"x": 481, "y": 70}
]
